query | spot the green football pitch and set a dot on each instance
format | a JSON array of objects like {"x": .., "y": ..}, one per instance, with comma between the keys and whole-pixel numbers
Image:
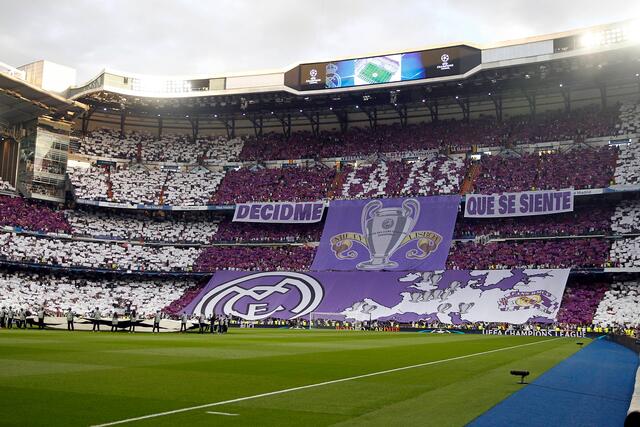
[{"x": 262, "y": 377}]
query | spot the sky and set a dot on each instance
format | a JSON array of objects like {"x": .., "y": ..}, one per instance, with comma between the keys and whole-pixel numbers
[{"x": 218, "y": 37}]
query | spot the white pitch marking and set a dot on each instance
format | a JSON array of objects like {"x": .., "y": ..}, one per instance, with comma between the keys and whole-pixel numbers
[
  {"x": 221, "y": 413},
  {"x": 303, "y": 387}
]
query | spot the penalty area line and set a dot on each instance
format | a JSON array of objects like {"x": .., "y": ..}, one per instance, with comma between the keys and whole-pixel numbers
[
  {"x": 221, "y": 413},
  {"x": 324, "y": 383}
]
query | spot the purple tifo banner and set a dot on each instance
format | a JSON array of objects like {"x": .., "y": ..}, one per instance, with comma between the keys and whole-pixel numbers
[
  {"x": 525, "y": 203},
  {"x": 451, "y": 296},
  {"x": 387, "y": 234},
  {"x": 280, "y": 212}
]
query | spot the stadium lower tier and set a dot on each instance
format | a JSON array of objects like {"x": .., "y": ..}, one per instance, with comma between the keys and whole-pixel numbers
[{"x": 611, "y": 304}]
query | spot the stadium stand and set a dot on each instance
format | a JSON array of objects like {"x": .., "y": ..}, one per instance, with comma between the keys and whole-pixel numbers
[
  {"x": 585, "y": 220},
  {"x": 626, "y": 218},
  {"x": 286, "y": 184},
  {"x": 22, "y": 249},
  {"x": 108, "y": 143},
  {"x": 58, "y": 293},
  {"x": 434, "y": 175},
  {"x": 109, "y": 256},
  {"x": 136, "y": 185},
  {"x": 229, "y": 231},
  {"x": 176, "y": 307},
  {"x": 557, "y": 253},
  {"x": 192, "y": 188},
  {"x": 440, "y": 175},
  {"x": 31, "y": 216},
  {"x": 619, "y": 306},
  {"x": 89, "y": 183},
  {"x": 453, "y": 134},
  {"x": 169, "y": 148},
  {"x": 140, "y": 227},
  {"x": 145, "y": 185},
  {"x": 628, "y": 118},
  {"x": 590, "y": 168},
  {"x": 626, "y": 252},
  {"x": 294, "y": 258},
  {"x": 580, "y": 301},
  {"x": 628, "y": 167}
]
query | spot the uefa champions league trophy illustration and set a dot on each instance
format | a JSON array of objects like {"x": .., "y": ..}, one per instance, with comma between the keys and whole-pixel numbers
[{"x": 384, "y": 230}]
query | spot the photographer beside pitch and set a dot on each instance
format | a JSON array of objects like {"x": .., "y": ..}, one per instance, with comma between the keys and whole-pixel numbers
[
  {"x": 70, "y": 319},
  {"x": 133, "y": 318},
  {"x": 96, "y": 317}
]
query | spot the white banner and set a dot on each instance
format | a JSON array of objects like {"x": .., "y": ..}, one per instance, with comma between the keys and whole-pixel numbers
[
  {"x": 279, "y": 212},
  {"x": 525, "y": 203}
]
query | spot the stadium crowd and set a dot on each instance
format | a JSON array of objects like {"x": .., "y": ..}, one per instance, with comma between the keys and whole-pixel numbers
[
  {"x": 239, "y": 232},
  {"x": 626, "y": 218},
  {"x": 556, "y": 253},
  {"x": 628, "y": 166},
  {"x": 580, "y": 168},
  {"x": 171, "y": 148},
  {"x": 626, "y": 252},
  {"x": 619, "y": 306},
  {"x": 139, "y": 184},
  {"x": 453, "y": 134},
  {"x": 58, "y": 293},
  {"x": 545, "y": 241},
  {"x": 140, "y": 227},
  {"x": 437, "y": 174},
  {"x": 110, "y": 256},
  {"x": 286, "y": 184},
  {"x": 423, "y": 177},
  {"x": 580, "y": 301},
  {"x": 251, "y": 258},
  {"x": 21, "y": 213},
  {"x": 584, "y": 220}
]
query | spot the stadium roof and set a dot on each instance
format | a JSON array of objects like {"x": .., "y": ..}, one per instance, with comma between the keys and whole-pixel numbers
[
  {"x": 583, "y": 59},
  {"x": 21, "y": 101}
]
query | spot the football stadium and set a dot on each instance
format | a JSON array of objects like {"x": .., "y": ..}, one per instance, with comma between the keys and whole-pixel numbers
[{"x": 445, "y": 235}]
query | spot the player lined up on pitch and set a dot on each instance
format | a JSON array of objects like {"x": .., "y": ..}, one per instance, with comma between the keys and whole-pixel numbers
[{"x": 115, "y": 321}]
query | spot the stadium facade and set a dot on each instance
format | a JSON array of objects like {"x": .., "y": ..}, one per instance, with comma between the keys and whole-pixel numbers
[{"x": 147, "y": 171}]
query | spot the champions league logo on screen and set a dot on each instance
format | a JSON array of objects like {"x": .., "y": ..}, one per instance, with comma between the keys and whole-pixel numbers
[
  {"x": 384, "y": 231},
  {"x": 313, "y": 77},
  {"x": 250, "y": 299},
  {"x": 445, "y": 66}
]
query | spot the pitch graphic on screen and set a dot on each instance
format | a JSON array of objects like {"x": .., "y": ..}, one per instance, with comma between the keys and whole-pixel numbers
[{"x": 374, "y": 70}]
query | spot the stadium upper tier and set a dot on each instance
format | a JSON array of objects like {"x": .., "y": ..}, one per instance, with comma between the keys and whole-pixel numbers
[
  {"x": 450, "y": 135},
  {"x": 144, "y": 147},
  {"x": 580, "y": 166},
  {"x": 453, "y": 135},
  {"x": 433, "y": 158}
]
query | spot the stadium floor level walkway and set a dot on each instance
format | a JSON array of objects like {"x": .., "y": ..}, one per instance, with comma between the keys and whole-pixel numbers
[{"x": 591, "y": 388}]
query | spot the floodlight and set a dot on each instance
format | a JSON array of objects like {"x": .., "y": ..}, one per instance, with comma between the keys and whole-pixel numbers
[{"x": 590, "y": 40}]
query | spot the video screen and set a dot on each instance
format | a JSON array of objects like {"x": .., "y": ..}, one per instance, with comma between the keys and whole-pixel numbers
[{"x": 388, "y": 68}]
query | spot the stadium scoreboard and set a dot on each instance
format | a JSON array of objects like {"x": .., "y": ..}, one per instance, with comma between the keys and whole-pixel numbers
[{"x": 401, "y": 67}]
